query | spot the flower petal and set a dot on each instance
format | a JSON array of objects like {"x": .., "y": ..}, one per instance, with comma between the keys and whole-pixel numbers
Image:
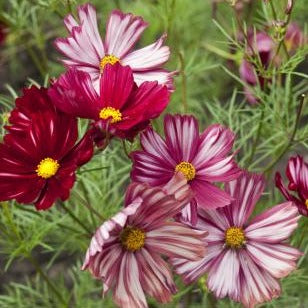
[
  {"x": 177, "y": 241},
  {"x": 149, "y": 57},
  {"x": 278, "y": 259},
  {"x": 123, "y": 31},
  {"x": 182, "y": 135},
  {"x": 209, "y": 196},
  {"x": 274, "y": 225}
]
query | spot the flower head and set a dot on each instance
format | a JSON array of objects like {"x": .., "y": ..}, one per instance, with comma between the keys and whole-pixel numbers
[
  {"x": 245, "y": 258},
  {"x": 297, "y": 173},
  {"x": 39, "y": 155},
  {"x": 85, "y": 49},
  {"x": 294, "y": 38},
  {"x": 201, "y": 158},
  {"x": 121, "y": 107},
  {"x": 126, "y": 251}
]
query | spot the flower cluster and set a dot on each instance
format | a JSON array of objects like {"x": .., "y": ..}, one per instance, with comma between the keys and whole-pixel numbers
[{"x": 189, "y": 204}]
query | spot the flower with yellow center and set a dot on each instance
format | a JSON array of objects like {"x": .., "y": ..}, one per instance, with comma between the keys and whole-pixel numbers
[
  {"x": 132, "y": 238},
  {"x": 187, "y": 169},
  {"x": 110, "y": 112},
  {"x": 47, "y": 168},
  {"x": 235, "y": 237},
  {"x": 108, "y": 59}
]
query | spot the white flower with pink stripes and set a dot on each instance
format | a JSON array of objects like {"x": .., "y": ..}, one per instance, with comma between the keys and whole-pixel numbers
[
  {"x": 126, "y": 251},
  {"x": 245, "y": 259},
  {"x": 85, "y": 49}
]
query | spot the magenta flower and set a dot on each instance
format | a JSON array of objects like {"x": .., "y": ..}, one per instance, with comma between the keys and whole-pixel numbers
[
  {"x": 294, "y": 38},
  {"x": 262, "y": 46},
  {"x": 86, "y": 50},
  {"x": 297, "y": 173},
  {"x": 119, "y": 108},
  {"x": 201, "y": 158},
  {"x": 125, "y": 252},
  {"x": 245, "y": 259}
]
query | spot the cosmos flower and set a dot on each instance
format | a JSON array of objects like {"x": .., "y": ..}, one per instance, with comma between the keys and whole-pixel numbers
[
  {"x": 126, "y": 251},
  {"x": 245, "y": 258},
  {"x": 262, "y": 46},
  {"x": 294, "y": 38},
  {"x": 297, "y": 173},
  {"x": 121, "y": 108},
  {"x": 39, "y": 154},
  {"x": 203, "y": 159},
  {"x": 85, "y": 49}
]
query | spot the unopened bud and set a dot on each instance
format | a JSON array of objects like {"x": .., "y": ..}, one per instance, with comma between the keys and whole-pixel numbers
[{"x": 289, "y": 7}]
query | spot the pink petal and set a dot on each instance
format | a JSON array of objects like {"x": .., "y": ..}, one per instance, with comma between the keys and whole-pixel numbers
[
  {"x": 190, "y": 271},
  {"x": 278, "y": 259},
  {"x": 182, "y": 134},
  {"x": 123, "y": 31},
  {"x": 84, "y": 47},
  {"x": 149, "y": 57},
  {"x": 224, "y": 274},
  {"x": 209, "y": 196},
  {"x": 156, "y": 278},
  {"x": 128, "y": 290},
  {"x": 274, "y": 225},
  {"x": 73, "y": 93},
  {"x": 177, "y": 241},
  {"x": 215, "y": 142},
  {"x": 159, "y": 203},
  {"x": 103, "y": 235},
  {"x": 246, "y": 191},
  {"x": 160, "y": 75},
  {"x": 116, "y": 85},
  {"x": 220, "y": 170},
  {"x": 255, "y": 285}
]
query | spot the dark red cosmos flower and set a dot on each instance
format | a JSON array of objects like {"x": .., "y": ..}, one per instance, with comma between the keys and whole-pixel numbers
[
  {"x": 297, "y": 174},
  {"x": 2, "y": 33},
  {"x": 121, "y": 107},
  {"x": 39, "y": 154}
]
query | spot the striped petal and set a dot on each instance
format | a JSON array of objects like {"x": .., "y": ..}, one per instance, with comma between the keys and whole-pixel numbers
[
  {"x": 148, "y": 57},
  {"x": 274, "y": 225},
  {"x": 177, "y": 241},
  {"x": 123, "y": 31}
]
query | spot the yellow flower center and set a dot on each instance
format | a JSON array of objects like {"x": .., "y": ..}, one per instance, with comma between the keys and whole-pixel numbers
[
  {"x": 47, "y": 168},
  {"x": 108, "y": 59},
  {"x": 132, "y": 238},
  {"x": 306, "y": 203},
  {"x": 235, "y": 237},
  {"x": 110, "y": 112},
  {"x": 187, "y": 169}
]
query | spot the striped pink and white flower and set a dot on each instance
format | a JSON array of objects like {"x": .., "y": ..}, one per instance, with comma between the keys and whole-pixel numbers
[
  {"x": 126, "y": 251},
  {"x": 297, "y": 174},
  {"x": 202, "y": 158},
  {"x": 86, "y": 50},
  {"x": 245, "y": 259}
]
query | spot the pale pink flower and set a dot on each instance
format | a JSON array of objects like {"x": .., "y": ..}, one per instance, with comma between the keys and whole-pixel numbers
[
  {"x": 245, "y": 258},
  {"x": 202, "y": 158},
  {"x": 86, "y": 50},
  {"x": 126, "y": 251}
]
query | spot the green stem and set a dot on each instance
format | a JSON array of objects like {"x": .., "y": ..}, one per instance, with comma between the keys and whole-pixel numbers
[
  {"x": 184, "y": 82},
  {"x": 212, "y": 300},
  {"x": 45, "y": 277},
  {"x": 299, "y": 112},
  {"x": 74, "y": 217},
  {"x": 256, "y": 141}
]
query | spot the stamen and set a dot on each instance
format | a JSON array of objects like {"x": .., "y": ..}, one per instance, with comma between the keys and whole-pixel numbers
[
  {"x": 110, "y": 112},
  {"x": 306, "y": 203},
  {"x": 47, "y": 168},
  {"x": 132, "y": 238},
  {"x": 108, "y": 59},
  {"x": 235, "y": 237},
  {"x": 187, "y": 169}
]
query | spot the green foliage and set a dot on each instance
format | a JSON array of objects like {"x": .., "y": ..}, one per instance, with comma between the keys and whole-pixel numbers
[{"x": 207, "y": 86}]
